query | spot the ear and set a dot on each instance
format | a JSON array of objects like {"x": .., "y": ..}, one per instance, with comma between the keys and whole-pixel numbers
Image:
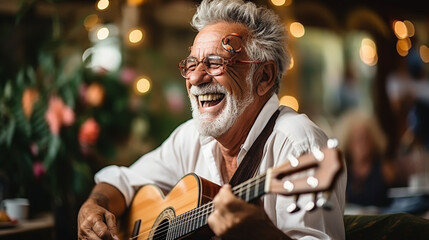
[{"x": 265, "y": 77}]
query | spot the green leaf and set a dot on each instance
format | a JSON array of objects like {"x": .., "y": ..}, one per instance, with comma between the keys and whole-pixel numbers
[
  {"x": 31, "y": 75},
  {"x": 8, "y": 91},
  {"x": 6, "y": 133},
  {"x": 22, "y": 124},
  {"x": 53, "y": 148},
  {"x": 81, "y": 177},
  {"x": 38, "y": 123},
  {"x": 20, "y": 77}
]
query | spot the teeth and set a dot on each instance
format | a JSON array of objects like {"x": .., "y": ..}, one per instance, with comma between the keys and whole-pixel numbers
[{"x": 209, "y": 97}]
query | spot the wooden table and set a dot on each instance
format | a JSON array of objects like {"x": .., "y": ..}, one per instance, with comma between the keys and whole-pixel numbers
[{"x": 38, "y": 227}]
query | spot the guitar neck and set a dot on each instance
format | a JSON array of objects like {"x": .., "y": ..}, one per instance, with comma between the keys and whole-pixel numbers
[{"x": 191, "y": 221}]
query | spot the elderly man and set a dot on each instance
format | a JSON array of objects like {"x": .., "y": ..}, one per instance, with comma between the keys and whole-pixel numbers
[{"x": 232, "y": 76}]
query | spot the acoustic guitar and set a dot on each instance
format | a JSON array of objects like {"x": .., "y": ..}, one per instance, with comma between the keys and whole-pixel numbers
[{"x": 184, "y": 211}]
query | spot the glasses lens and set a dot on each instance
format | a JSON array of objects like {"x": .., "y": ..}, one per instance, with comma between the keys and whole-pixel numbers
[
  {"x": 213, "y": 64},
  {"x": 191, "y": 63},
  {"x": 182, "y": 67},
  {"x": 187, "y": 65}
]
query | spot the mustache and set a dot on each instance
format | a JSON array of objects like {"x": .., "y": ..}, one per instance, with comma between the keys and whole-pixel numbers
[{"x": 207, "y": 88}]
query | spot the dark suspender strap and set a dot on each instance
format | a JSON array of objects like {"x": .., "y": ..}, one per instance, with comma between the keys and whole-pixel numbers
[{"x": 253, "y": 157}]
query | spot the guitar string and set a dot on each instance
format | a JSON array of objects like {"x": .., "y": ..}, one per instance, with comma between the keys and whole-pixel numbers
[{"x": 200, "y": 211}]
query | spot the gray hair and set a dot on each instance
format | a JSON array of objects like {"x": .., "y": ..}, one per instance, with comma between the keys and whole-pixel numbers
[{"x": 267, "y": 38}]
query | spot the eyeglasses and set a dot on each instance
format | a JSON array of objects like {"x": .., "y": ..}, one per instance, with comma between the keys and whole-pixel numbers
[{"x": 213, "y": 65}]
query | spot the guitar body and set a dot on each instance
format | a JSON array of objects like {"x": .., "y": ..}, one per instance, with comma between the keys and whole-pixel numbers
[{"x": 153, "y": 211}]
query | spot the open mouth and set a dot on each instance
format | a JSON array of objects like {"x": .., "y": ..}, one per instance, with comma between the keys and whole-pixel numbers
[{"x": 210, "y": 100}]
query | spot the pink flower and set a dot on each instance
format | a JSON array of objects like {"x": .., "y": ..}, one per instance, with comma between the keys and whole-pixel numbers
[
  {"x": 88, "y": 132},
  {"x": 128, "y": 75},
  {"x": 38, "y": 169},
  {"x": 58, "y": 114},
  {"x": 34, "y": 149}
]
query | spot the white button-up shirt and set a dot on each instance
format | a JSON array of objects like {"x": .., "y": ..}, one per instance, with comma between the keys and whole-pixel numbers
[{"x": 187, "y": 151}]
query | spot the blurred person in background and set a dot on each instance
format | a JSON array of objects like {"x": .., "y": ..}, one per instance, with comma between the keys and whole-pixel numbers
[
  {"x": 408, "y": 92},
  {"x": 369, "y": 173}
]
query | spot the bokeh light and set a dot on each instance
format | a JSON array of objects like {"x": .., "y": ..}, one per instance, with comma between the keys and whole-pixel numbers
[
  {"x": 94, "y": 94},
  {"x": 103, "y": 33},
  {"x": 289, "y": 101},
  {"x": 400, "y": 29},
  {"x": 90, "y": 21},
  {"x": 410, "y": 28},
  {"x": 368, "y": 52},
  {"x": 134, "y": 2},
  {"x": 142, "y": 85},
  {"x": 404, "y": 44},
  {"x": 135, "y": 36},
  {"x": 103, "y": 4},
  {"x": 278, "y": 3},
  {"x": 297, "y": 29},
  {"x": 292, "y": 63},
  {"x": 424, "y": 53}
]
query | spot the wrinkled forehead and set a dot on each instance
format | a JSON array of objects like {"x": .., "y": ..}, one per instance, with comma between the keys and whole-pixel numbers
[
  {"x": 204, "y": 48},
  {"x": 217, "y": 39}
]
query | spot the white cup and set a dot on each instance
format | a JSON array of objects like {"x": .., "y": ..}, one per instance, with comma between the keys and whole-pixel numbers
[{"x": 17, "y": 208}]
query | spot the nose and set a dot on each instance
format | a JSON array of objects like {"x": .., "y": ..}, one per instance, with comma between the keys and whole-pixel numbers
[{"x": 199, "y": 76}]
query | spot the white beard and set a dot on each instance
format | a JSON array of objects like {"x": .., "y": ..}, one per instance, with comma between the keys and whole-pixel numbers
[{"x": 210, "y": 125}]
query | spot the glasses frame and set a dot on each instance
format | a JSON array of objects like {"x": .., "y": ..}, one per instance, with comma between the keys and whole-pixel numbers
[{"x": 224, "y": 64}]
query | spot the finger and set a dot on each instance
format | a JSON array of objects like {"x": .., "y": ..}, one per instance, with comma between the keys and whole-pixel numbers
[
  {"x": 86, "y": 228},
  {"x": 111, "y": 225},
  {"x": 224, "y": 194},
  {"x": 89, "y": 235},
  {"x": 102, "y": 231},
  {"x": 93, "y": 236},
  {"x": 216, "y": 223},
  {"x": 226, "y": 200}
]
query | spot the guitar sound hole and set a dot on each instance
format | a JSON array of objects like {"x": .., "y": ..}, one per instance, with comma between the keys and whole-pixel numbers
[{"x": 161, "y": 230}]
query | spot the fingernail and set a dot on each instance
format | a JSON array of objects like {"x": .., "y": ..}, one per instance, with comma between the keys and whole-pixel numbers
[{"x": 115, "y": 237}]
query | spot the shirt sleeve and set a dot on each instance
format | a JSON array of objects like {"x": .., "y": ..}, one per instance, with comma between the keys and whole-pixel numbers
[{"x": 163, "y": 166}]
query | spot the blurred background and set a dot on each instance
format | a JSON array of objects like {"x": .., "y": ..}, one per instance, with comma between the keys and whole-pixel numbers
[{"x": 85, "y": 84}]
